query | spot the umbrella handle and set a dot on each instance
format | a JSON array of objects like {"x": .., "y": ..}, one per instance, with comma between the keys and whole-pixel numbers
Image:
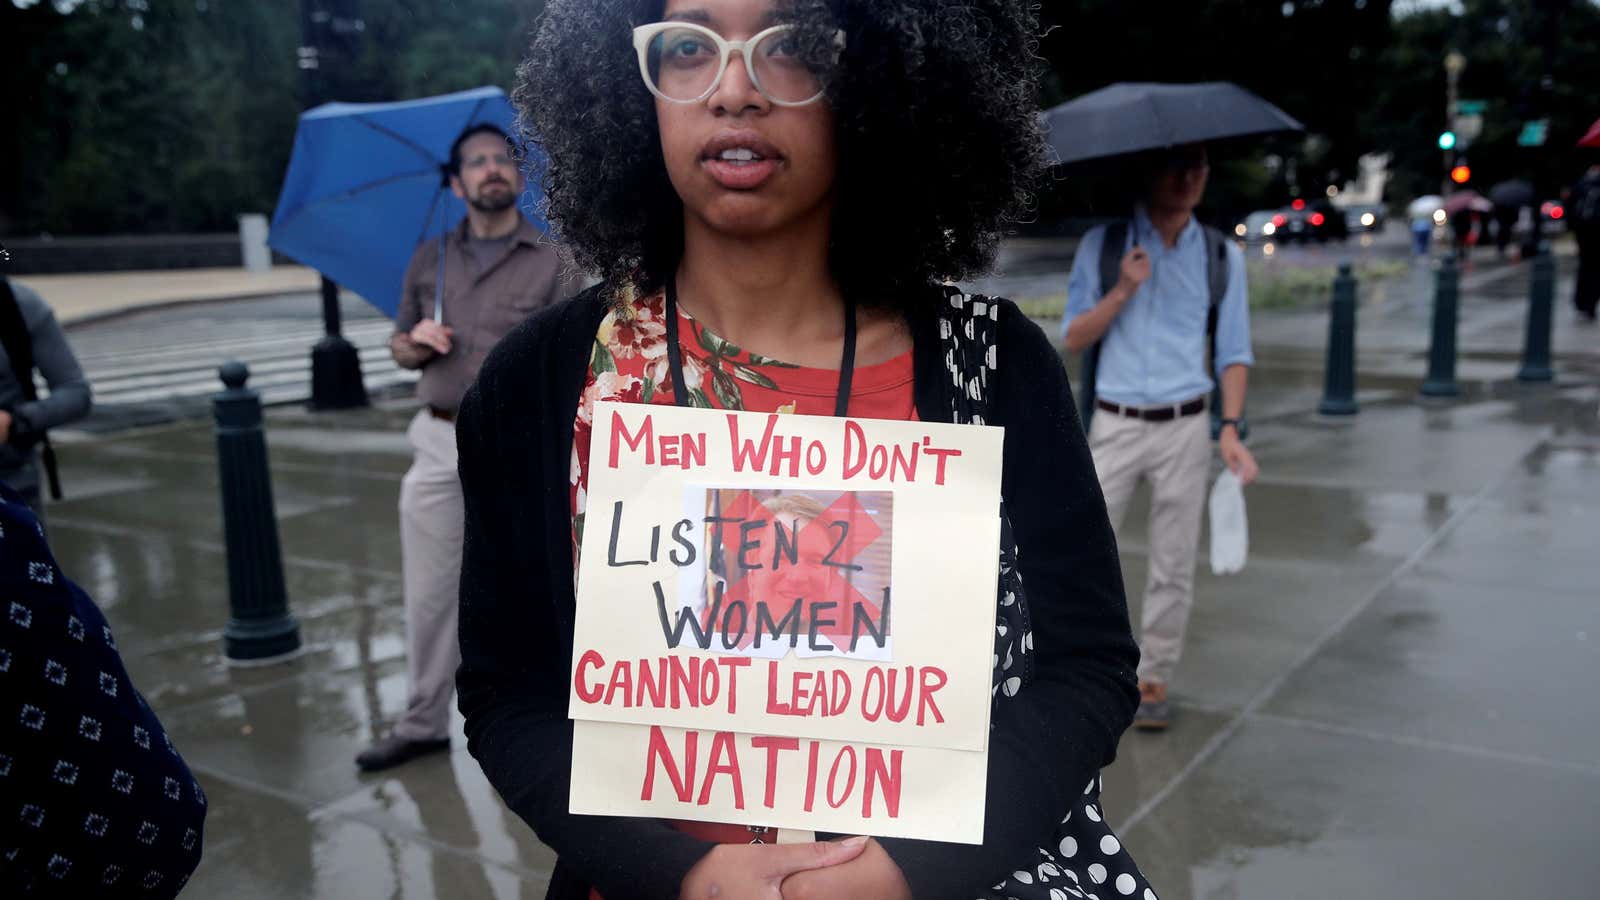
[{"x": 438, "y": 289}]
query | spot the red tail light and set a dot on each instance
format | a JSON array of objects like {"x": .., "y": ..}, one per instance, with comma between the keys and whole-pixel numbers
[
  {"x": 1317, "y": 219},
  {"x": 1298, "y": 204},
  {"x": 1279, "y": 220}
]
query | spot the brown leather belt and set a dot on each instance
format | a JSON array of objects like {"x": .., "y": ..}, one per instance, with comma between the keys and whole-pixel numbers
[
  {"x": 1155, "y": 413},
  {"x": 442, "y": 414}
]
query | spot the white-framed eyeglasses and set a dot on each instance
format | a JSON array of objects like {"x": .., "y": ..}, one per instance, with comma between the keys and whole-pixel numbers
[{"x": 684, "y": 63}]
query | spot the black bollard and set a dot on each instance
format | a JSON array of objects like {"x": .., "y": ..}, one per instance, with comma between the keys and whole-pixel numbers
[
  {"x": 260, "y": 627},
  {"x": 335, "y": 365},
  {"x": 1541, "y": 297},
  {"x": 1339, "y": 380},
  {"x": 1441, "y": 380}
]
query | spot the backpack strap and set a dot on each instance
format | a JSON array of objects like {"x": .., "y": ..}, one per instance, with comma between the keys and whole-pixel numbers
[
  {"x": 1112, "y": 247},
  {"x": 1217, "y": 282}
]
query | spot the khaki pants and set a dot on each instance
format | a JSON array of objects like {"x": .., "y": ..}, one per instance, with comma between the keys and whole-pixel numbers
[
  {"x": 1175, "y": 456},
  {"x": 432, "y": 521}
]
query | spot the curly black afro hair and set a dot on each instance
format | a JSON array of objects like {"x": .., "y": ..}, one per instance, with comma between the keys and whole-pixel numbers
[{"x": 939, "y": 143}]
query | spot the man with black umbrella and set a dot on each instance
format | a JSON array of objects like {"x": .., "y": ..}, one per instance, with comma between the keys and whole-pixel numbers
[{"x": 1151, "y": 299}]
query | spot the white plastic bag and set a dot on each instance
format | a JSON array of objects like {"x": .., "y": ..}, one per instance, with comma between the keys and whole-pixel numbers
[{"x": 1230, "y": 530}]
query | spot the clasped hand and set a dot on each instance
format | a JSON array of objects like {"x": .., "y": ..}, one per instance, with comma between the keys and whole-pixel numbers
[
  {"x": 852, "y": 869},
  {"x": 433, "y": 335}
]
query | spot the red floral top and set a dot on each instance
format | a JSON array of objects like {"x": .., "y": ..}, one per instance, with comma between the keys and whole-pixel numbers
[{"x": 629, "y": 364}]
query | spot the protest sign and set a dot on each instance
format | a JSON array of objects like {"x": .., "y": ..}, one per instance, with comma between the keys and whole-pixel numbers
[{"x": 761, "y": 596}]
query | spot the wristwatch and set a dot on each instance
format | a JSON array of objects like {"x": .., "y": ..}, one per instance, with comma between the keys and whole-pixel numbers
[{"x": 1239, "y": 426}]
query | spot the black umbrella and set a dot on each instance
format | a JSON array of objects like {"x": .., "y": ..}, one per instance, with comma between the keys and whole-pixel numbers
[
  {"x": 1137, "y": 117},
  {"x": 1515, "y": 193}
]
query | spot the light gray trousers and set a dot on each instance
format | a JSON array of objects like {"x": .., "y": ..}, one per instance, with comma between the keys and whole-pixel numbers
[
  {"x": 432, "y": 522},
  {"x": 1175, "y": 457}
]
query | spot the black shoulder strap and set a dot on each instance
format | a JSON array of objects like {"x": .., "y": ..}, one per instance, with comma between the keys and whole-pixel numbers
[
  {"x": 16, "y": 340},
  {"x": 1112, "y": 248},
  {"x": 1216, "y": 280},
  {"x": 1111, "y": 252},
  {"x": 1216, "y": 268},
  {"x": 1217, "y": 272}
]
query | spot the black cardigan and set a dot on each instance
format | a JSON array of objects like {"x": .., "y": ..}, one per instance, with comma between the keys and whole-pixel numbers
[{"x": 517, "y": 607}]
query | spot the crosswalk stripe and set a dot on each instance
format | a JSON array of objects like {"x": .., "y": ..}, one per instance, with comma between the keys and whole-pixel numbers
[
  {"x": 279, "y": 360},
  {"x": 299, "y": 337}
]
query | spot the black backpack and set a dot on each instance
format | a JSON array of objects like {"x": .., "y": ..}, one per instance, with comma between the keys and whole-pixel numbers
[
  {"x": 1112, "y": 249},
  {"x": 18, "y": 345}
]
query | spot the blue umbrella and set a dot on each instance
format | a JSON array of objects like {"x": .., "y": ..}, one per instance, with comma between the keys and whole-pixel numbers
[
  {"x": 365, "y": 186},
  {"x": 1137, "y": 117}
]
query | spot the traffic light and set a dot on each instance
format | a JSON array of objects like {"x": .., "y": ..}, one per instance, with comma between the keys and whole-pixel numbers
[
  {"x": 1447, "y": 140},
  {"x": 1461, "y": 174}
]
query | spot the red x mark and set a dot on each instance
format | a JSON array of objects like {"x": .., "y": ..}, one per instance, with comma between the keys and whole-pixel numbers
[{"x": 814, "y": 573}]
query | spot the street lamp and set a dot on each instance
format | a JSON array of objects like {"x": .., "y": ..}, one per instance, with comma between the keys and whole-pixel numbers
[
  {"x": 1454, "y": 64},
  {"x": 336, "y": 381}
]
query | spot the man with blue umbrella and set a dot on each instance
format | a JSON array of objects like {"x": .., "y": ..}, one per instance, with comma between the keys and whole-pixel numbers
[{"x": 461, "y": 295}]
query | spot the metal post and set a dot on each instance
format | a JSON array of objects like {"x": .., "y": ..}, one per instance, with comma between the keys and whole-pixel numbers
[
  {"x": 260, "y": 627},
  {"x": 1441, "y": 380},
  {"x": 1541, "y": 297},
  {"x": 1454, "y": 64},
  {"x": 336, "y": 381},
  {"x": 1339, "y": 385}
]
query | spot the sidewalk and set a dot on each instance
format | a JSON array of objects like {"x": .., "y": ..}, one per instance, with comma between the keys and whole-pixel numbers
[
  {"x": 77, "y": 299},
  {"x": 1390, "y": 701}
]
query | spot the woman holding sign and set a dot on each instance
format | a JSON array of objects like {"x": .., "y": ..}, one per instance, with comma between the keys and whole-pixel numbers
[{"x": 774, "y": 193}]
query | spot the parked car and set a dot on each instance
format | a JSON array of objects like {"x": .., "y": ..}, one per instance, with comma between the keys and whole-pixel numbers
[
  {"x": 1259, "y": 226},
  {"x": 1325, "y": 223},
  {"x": 1552, "y": 216},
  {"x": 1366, "y": 217}
]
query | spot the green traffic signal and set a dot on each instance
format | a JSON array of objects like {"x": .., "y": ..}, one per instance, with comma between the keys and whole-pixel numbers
[{"x": 1447, "y": 141}]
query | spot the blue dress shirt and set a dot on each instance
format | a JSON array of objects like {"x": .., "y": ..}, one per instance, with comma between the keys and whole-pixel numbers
[{"x": 1154, "y": 354}]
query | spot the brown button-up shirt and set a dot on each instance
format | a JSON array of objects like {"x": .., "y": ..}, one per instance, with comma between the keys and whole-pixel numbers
[{"x": 482, "y": 302}]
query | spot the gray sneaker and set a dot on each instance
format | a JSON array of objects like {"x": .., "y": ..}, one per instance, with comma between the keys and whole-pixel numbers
[{"x": 1153, "y": 716}]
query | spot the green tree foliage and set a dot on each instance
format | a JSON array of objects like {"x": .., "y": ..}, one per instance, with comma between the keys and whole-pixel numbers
[
  {"x": 176, "y": 115},
  {"x": 1527, "y": 59},
  {"x": 1363, "y": 75},
  {"x": 1316, "y": 59}
]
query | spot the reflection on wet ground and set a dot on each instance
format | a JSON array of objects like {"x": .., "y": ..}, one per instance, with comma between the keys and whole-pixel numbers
[{"x": 1390, "y": 701}]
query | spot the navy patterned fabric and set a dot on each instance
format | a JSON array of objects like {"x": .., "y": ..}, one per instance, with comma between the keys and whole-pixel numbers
[
  {"x": 1083, "y": 859},
  {"x": 94, "y": 799}
]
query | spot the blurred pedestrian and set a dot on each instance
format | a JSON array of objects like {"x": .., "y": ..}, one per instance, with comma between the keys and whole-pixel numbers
[
  {"x": 497, "y": 269},
  {"x": 1505, "y": 220},
  {"x": 94, "y": 799},
  {"x": 1462, "y": 224},
  {"x": 1178, "y": 290},
  {"x": 31, "y": 340},
  {"x": 1421, "y": 231},
  {"x": 1583, "y": 216}
]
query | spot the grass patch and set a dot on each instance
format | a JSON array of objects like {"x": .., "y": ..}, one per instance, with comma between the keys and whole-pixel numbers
[
  {"x": 1272, "y": 287},
  {"x": 1296, "y": 287}
]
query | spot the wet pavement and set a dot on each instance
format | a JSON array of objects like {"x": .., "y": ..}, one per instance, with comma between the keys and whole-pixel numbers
[{"x": 1389, "y": 701}]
